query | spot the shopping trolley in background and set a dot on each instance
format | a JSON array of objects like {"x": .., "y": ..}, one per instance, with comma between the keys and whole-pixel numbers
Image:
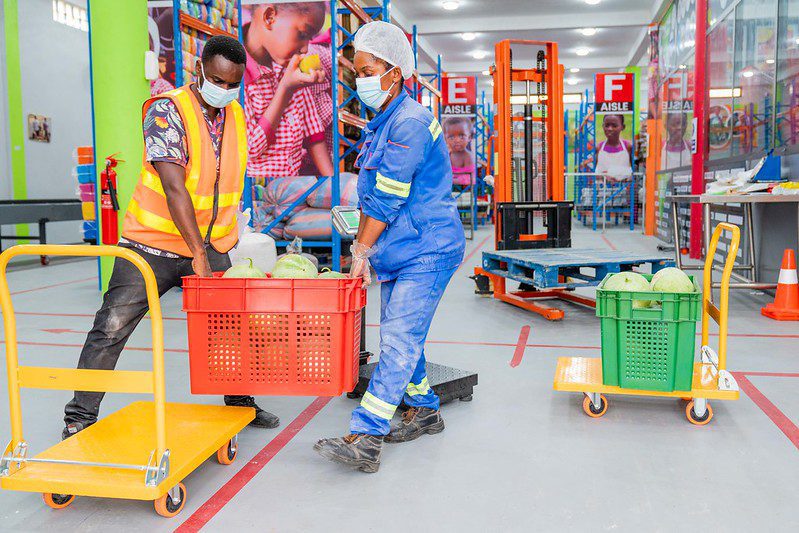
[
  {"x": 141, "y": 452},
  {"x": 651, "y": 352}
]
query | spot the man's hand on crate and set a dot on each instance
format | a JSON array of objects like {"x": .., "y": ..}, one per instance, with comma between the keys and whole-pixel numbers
[{"x": 201, "y": 265}]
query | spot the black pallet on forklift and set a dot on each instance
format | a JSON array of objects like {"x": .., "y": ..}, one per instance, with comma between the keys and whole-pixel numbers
[
  {"x": 449, "y": 383},
  {"x": 518, "y": 218}
]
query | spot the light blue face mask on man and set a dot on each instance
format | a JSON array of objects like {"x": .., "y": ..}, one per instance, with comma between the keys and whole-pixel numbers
[
  {"x": 216, "y": 96},
  {"x": 370, "y": 92}
]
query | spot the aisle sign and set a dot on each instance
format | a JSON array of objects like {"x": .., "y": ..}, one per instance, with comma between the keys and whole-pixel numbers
[
  {"x": 615, "y": 92},
  {"x": 459, "y": 95}
]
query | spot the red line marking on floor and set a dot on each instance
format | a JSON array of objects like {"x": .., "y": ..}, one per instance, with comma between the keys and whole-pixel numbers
[
  {"x": 83, "y": 315},
  {"x": 524, "y": 334},
  {"x": 64, "y": 345},
  {"x": 607, "y": 241},
  {"x": 470, "y": 254},
  {"x": 756, "y": 335},
  {"x": 769, "y": 409},
  {"x": 54, "y": 285},
  {"x": 565, "y": 346},
  {"x": 224, "y": 495},
  {"x": 771, "y": 374}
]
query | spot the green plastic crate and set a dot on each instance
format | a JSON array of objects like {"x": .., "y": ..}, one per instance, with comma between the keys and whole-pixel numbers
[{"x": 648, "y": 349}]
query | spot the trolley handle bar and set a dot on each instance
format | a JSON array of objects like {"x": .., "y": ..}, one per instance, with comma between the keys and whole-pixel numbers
[
  {"x": 709, "y": 309},
  {"x": 10, "y": 328}
]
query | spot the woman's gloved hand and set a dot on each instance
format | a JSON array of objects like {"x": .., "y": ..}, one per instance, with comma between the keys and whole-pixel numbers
[{"x": 360, "y": 262}]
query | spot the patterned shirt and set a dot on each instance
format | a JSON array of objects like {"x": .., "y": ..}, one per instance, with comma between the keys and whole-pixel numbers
[
  {"x": 277, "y": 153},
  {"x": 165, "y": 140}
]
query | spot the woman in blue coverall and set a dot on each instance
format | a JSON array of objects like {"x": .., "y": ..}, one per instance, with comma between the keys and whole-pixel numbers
[{"x": 410, "y": 232}]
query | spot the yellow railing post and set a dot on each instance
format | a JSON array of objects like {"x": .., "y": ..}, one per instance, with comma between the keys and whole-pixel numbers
[
  {"x": 10, "y": 326},
  {"x": 724, "y": 293}
]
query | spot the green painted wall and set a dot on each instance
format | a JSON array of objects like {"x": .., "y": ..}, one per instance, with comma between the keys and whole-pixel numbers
[
  {"x": 16, "y": 122},
  {"x": 119, "y": 39}
]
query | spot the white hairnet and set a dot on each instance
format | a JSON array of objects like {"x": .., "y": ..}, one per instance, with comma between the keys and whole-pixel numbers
[{"x": 387, "y": 42}]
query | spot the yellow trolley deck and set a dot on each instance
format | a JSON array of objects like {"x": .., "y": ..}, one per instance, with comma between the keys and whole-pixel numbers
[
  {"x": 141, "y": 452},
  {"x": 711, "y": 380}
]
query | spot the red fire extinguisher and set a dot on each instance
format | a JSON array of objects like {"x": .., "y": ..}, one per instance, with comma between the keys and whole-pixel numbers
[{"x": 109, "y": 204}]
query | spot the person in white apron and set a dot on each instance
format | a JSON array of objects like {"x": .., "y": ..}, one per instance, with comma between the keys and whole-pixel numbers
[
  {"x": 676, "y": 150},
  {"x": 613, "y": 155}
]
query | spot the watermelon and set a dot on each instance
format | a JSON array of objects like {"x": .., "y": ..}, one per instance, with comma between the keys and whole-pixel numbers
[
  {"x": 294, "y": 266},
  {"x": 672, "y": 279},
  {"x": 244, "y": 270},
  {"x": 326, "y": 273},
  {"x": 629, "y": 281}
]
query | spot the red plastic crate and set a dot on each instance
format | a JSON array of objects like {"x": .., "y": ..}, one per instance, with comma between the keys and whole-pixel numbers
[{"x": 287, "y": 337}]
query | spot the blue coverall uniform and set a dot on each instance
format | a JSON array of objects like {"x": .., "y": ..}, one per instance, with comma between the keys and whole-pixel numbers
[{"x": 405, "y": 180}]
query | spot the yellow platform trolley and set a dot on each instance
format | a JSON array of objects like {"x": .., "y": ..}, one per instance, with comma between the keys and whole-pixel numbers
[
  {"x": 141, "y": 452},
  {"x": 710, "y": 379}
]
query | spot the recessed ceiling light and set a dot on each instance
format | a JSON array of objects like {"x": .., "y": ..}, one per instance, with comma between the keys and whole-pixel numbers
[
  {"x": 592, "y": 2},
  {"x": 450, "y": 5},
  {"x": 486, "y": 73},
  {"x": 683, "y": 67},
  {"x": 574, "y": 70},
  {"x": 468, "y": 36},
  {"x": 588, "y": 32},
  {"x": 747, "y": 73},
  {"x": 479, "y": 54},
  {"x": 769, "y": 61},
  {"x": 572, "y": 81},
  {"x": 582, "y": 51}
]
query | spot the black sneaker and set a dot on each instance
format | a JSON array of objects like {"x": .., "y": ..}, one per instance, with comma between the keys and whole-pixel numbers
[
  {"x": 263, "y": 419},
  {"x": 358, "y": 451},
  {"x": 416, "y": 421},
  {"x": 73, "y": 428}
]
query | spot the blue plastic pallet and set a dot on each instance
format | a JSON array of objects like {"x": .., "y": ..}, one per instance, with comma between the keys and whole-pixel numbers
[{"x": 543, "y": 268}]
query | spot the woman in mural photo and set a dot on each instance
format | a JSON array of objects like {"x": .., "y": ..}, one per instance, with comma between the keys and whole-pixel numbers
[
  {"x": 676, "y": 150},
  {"x": 614, "y": 154}
]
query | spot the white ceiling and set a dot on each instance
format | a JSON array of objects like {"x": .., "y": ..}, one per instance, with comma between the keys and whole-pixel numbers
[{"x": 619, "y": 41}]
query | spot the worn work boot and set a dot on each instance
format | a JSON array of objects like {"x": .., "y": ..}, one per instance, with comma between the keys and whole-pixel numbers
[
  {"x": 415, "y": 422},
  {"x": 357, "y": 450},
  {"x": 263, "y": 419},
  {"x": 72, "y": 429}
]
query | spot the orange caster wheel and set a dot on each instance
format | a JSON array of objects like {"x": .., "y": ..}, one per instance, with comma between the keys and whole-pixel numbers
[
  {"x": 166, "y": 506},
  {"x": 699, "y": 421},
  {"x": 57, "y": 501},
  {"x": 227, "y": 453},
  {"x": 592, "y": 411}
]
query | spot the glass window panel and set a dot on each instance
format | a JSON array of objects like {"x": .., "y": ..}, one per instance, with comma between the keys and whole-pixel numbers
[
  {"x": 755, "y": 43},
  {"x": 787, "y": 131},
  {"x": 720, "y": 75}
]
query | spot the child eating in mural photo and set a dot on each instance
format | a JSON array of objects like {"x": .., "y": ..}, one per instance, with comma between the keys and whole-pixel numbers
[
  {"x": 283, "y": 120},
  {"x": 613, "y": 154},
  {"x": 458, "y": 136}
]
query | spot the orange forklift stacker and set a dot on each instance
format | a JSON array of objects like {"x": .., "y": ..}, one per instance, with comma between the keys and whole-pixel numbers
[{"x": 529, "y": 165}]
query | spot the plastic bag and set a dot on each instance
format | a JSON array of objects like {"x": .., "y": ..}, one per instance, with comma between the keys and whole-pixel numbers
[{"x": 258, "y": 247}]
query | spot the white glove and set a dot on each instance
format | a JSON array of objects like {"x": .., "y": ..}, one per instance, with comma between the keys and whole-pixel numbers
[
  {"x": 489, "y": 180},
  {"x": 360, "y": 262}
]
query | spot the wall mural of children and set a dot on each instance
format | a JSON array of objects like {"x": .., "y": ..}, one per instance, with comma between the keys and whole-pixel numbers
[
  {"x": 283, "y": 120},
  {"x": 676, "y": 150},
  {"x": 459, "y": 136},
  {"x": 614, "y": 153}
]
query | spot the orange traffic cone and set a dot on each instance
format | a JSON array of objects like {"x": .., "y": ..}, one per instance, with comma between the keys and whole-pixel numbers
[{"x": 786, "y": 303}]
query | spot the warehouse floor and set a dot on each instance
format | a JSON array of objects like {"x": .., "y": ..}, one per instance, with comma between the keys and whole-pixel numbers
[{"x": 520, "y": 457}]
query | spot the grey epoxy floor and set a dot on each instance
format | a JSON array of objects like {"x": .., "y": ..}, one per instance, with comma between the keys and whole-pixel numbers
[{"x": 520, "y": 457}]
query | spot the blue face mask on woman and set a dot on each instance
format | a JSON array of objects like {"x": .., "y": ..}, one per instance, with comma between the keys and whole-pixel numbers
[
  {"x": 216, "y": 96},
  {"x": 370, "y": 92}
]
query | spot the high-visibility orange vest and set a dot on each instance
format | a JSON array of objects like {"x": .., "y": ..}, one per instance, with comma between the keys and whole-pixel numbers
[{"x": 148, "y": 221}]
